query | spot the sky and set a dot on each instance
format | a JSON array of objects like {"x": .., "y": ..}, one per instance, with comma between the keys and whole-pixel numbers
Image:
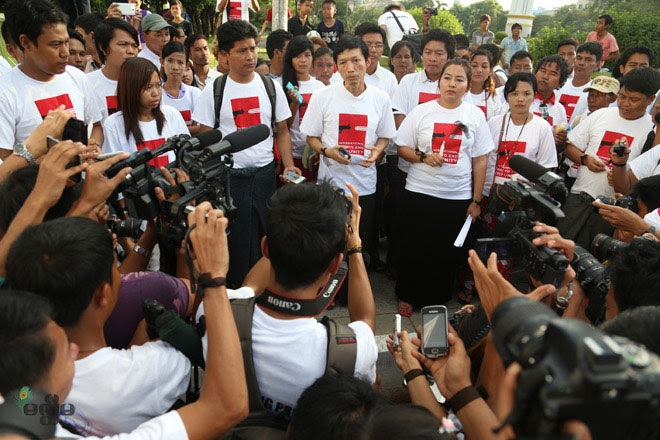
[{"x": 506, "y": 4}]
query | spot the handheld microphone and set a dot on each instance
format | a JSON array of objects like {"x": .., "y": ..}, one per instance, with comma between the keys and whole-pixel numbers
[
  {"x": 541, "y": 176},
  {"x": 236, "y": 141}
]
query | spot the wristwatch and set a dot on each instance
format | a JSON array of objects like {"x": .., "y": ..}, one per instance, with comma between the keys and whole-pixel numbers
[
  {"x": 582, "y": 158},
  {"x": 21, "y": 150},
  {"x": 650, "y": 230},
  {"x": 142, "y": 251}
]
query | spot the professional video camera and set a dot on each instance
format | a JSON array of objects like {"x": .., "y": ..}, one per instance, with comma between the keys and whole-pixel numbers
[
  {"x": 573, "y": 371},
  {"x": 519, "y": 205}
]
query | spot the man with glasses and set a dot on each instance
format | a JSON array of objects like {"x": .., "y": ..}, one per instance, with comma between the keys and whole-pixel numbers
[{"x": 377, "y": 76}]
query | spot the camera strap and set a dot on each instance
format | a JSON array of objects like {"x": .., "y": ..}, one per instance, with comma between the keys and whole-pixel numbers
[{"x": 305, "y": 307}]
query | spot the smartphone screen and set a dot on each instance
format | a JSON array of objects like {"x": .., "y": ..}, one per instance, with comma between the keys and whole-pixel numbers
[
  {"x": 434, "y": 331},
  {"x": 396, "y": 328}
]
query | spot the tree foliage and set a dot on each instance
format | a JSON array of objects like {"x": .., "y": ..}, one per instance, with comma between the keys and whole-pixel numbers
[
  {"x": 468, "y": 16},
  {"x": 444, "y": 20}
]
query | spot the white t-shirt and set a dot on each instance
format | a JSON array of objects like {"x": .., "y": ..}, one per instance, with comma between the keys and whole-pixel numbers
[
  {"x": 414, "y": 89},
  {"x": 115, "y": 135},
  {"x": 646, "y": 165},
  {"x": 169, "y": 426},
  {"x": 289, "y": 355},
  {"x": 244, "y": 105},
  {"x": 115, "y": 391},
  {"x": 185, "y": 102},
  {"x": 299, "y": 140},
  {"x": 555, "y": 111},
  {"x": 393, "y": 31},
  {"x": 25, "y": 102},
  {"x": 235, "y": 10},
  {"x": 149, "y": 55},
  {"x": 213, "y": 74},
  {"x": 653, "y": 218},
  {"x": 339, "y": 118},
  {"x": 104, "y": 91},
  {"x": 383, "y": 79},
  {"x": 534, "y": 141},
  {"x": 4, "y": 66},
  {"x": 574, "y": 99},
  {"x": 433, "y": 129},
  {"x": 491, "y": 106},
  {"x": 595, "y": 136}
]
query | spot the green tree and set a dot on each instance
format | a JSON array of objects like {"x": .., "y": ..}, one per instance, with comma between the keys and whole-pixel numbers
[
  {"x": 444, "y": 20},
  {"x": 545, "y": 42},
  {"x": 541, "y": 21},
  {"x": 468, "y": 16},
  {"x": 632, "y": 28}
]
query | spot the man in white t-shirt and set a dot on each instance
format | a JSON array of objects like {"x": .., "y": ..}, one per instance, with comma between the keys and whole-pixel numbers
[
  {"x": 590, "y": 144},
  {"x": 396, "y": 22},
  {"x": 50, "y": 353},
  {"x": 551, "y": 74},
  {"x": 198, "y": 49},
  {"x": 307, "y": 230},
  {"x": 377, "y": 76},
  {"x": 43, "y": 81},
  {"x": 156, "y": 35},
  {"x": 572, "y": 95},
  {"x": 236, "y": 9},
  {"x": 276, "y": 45},
  {"x": 245, "y": 103},
  {"x": 350, "y": 126},
  {"x": 116, "y": 41}
]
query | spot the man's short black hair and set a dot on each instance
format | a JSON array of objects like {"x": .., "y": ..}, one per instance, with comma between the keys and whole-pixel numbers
[
  {"x": 306, "y": 229},
  {"x": 232, "y": 31},
  {"x": 370, "y": 28},
  {"x": 645, "y": 80},
  {"x": 191, "y": 40},
  {"x": 514, "y": 79},
  {"x": 349, "y": 42},
  {"x": 105, "y": 32},
  {"x": 637, "y": 49},
  {"x": 560, "y": 62},
  {"x": 29, "y": 17},
  {"x": 277, "y": 40},
  {"x": 461, "y": 40},
  {"x": 640, "y": 325},
  {"x": 16, "y": 188},
  {"x": 494, "y": 50},
  {"x": 607, "y": 18},
  {"x": 593, "y": 48},
  {"x": 89, "y": 21},
  {"x": 567, "y": 42},
  {"x": 521, "y": 55},
  {"x": 64, "y": 260},
  {"x": 335, "y": 407},
  {"x": 442, "y": 36},
  {"x": 635, "y": 275},
  {"x": 402, "y": 422},
  {"x": 74, "y": 34},
  {"x": 27, "y": 351},
  {"x": 332, "y": 2},
  {"x": 648, "y": 190},
  {"x": 516, "y": 25}
]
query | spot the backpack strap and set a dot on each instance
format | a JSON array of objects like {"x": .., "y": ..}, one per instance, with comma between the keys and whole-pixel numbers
[
  {"x": 342, "y": 348},
  {"x": 218, "y": 93},
  {"x": 269, "y": 84}
]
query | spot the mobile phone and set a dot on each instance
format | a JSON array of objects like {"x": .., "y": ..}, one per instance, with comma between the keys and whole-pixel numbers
[
  {"x": 126, "y": 8},
  {"x": 77, "y": 160},
  {"x": 75, "y": 130},
  {"x": 396, "y": 328},
  {"x": 345, "y": 154},
  {"x": 503, "y": 247},
  {"x": 105, "y": 156},
  {"x": 293, "y": 177},
  {"x": 434, "y": 331},
  {"x": 51, "y": 142}
]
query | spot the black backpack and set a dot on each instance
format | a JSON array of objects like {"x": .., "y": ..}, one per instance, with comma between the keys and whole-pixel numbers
[{"x": 342, "y": 352}]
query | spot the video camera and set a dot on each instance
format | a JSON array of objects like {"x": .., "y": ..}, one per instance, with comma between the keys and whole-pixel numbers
[
  {"x": 519, "y": 205},
  {"x": 573, "y": 371}
]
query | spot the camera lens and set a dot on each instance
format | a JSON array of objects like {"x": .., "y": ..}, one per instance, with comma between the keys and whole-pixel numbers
[{"x": 605, "y": 247}]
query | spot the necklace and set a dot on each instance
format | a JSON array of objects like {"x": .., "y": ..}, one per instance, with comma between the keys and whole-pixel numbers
[{"x": 506, "y": 131}]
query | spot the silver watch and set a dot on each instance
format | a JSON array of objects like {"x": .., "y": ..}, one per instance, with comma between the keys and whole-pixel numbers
[
  {"x": 142, "y": 251},
  {"x": 21, "y": 150}
]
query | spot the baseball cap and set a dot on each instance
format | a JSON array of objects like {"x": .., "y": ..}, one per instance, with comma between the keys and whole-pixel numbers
[
  {"x": 605, "y": 84},
  {"x": 154, "y": 22}
]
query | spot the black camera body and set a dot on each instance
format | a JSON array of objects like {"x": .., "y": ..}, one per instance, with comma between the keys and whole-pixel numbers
[
  {"x": 573, "y": 371},
  {"x": 595, "y": 281},
  {"x": 432, "y": 10},
  {"x": 125, "y": 228},
  {"x": 627, "y": 202}
]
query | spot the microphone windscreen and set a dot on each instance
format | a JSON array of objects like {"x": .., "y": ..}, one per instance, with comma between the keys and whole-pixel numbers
[
  {"x": 247, "y": 137},
  {"x": 526, "y": 167},
  {"x": 208, "y": 137}
]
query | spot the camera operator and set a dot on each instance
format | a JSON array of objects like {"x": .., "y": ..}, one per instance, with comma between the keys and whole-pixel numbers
[{"x": 47, "y": 357}]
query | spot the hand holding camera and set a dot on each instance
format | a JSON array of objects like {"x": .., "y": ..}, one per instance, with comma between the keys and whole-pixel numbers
[
  {"x": 209, "y": 240},
  {"x": 619, "y": 152}
]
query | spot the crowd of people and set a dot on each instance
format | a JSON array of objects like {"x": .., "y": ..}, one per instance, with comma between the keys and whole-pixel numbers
[{"x": 105, "y": 325}]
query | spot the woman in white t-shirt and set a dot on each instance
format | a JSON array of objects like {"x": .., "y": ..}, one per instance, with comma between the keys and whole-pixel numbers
[
  {"x": 297, "y": 67},
  {"x": 175, "y": 93},
  {"x": 447, "y": 142},
  {"x": 482, "y": 85},
  {"x": 141, "y": 122}
]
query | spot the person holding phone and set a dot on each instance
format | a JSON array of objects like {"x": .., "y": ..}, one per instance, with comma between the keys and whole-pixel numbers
[
  {"x": 447, "y": 141},
  {"x": 141, "y": 122}
]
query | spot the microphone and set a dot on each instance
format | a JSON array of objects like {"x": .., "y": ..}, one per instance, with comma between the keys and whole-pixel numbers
[
  {"x": 203, "y": 140},
  {"x": 236, "y": 141},
  {"x": 541, "y": 176}
]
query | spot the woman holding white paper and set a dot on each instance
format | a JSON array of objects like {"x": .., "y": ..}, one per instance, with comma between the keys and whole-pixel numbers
[{"x": 447, "y": 142}]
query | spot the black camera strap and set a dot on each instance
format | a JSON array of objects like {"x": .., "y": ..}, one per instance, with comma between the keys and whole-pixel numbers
[{"x": 305, "y": 307}]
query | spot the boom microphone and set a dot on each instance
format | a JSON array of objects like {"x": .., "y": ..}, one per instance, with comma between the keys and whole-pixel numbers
[
  {"x": 203, "y": 140},
  {"x": 237, "y": 141},
  {"x": 541, "y": 176}
]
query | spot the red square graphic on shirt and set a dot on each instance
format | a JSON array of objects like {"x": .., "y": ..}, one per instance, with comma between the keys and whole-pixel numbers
[
  {"x": 569, "y": 102},
  {"x": 484, "y": 109},
  {"x": 47, "y": 104},
  {"x": 426, "y": 97},
  {"x": 302, "y": 109},
  {"x": 353, "y": 132},
  {"x": 235, "y": 10},
  {"x": 187, "y": 116},
  {"x": 505, "y": 153},
  {"x": 447, "y": 138},
  {"x": 609, "y": 137},
  {"x": 550, "y": 120},
  {"x": 159, "y": 161},
  {"x": 111, "y": 104},
  {"x": 246, "y": 112}
]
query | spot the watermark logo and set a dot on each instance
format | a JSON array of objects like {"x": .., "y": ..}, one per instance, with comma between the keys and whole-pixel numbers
[{"x": 49, "y": 411}]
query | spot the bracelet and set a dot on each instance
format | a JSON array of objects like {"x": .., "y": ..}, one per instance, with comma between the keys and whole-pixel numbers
[
  {"x": 421, "y": 155},
  {"x": 582, "y": 158},
  {"x": 142, "y": 251},
  {"x": 357, "y": 249},
  {"x": 410, "y": 375},
  {"x": 476, "y": 201},
  {"x": 620, "y": 165},
  {"x": 463, "y": 397},
  {"x": 323, "y": 151},
  {"x": 205, "y": 280}
]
